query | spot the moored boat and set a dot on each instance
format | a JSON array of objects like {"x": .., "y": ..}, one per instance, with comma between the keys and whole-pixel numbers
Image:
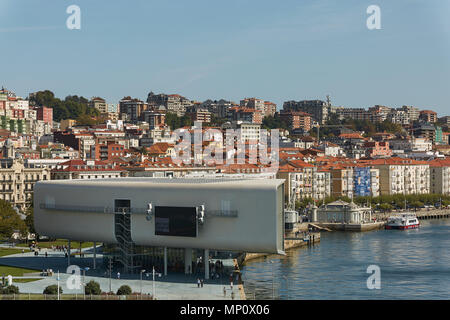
[{"x": 403, "y": 221}]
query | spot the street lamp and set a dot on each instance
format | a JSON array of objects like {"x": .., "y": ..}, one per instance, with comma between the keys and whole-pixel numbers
[
  {"x": 153, "y": 282},
  {"x": 142, "y": 271},
  {"x": 84, "y": 283},
  {"x": 57, "y": 279}
]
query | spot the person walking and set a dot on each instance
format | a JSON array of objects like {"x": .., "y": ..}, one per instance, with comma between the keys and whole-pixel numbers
[
  {"x": 118, "y": 275},
  {"x": 201, "y": 283},
  {"x": 231, "y": 285},
  {"x": 224, "y": 291},
  {"x": 198, "y": 283}
]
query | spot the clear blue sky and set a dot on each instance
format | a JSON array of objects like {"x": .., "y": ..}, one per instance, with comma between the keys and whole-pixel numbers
[{"x": 275, "y": 50}]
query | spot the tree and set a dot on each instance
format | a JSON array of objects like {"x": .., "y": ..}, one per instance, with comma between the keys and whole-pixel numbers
[
  {"x": 10, "y": 221},
  {"x": 72, "y": 107},
  {"x": 385, "y": 207},
  {"x": 53, "y": 290},
  {"x": 124, "y": 290},
  {"x": 416, "y": 204},
  {"x": 274, "y": 122},
  {"x": 9, "y": 290},
  {"x": 93, "y": 288}
]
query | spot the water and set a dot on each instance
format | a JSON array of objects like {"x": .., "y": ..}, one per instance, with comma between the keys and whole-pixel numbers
[{"x": 414, "y": 264}]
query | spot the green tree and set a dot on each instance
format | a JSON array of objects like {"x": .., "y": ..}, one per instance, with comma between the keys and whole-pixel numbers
[
  {"x": 385, "y": 207},
  {"x": 52, "y": 290},
  {"x": 93, "y": 288},
  {"x": 10, "y": 290},
  {"x": 124, "y": 290},
  {"x": 72, "y": 107},
  {"x": 10, "y": 221},
  {"x": 416, "y": 204}
]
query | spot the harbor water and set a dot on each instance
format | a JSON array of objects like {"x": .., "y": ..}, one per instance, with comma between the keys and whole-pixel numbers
[{"x": 413, "y": 264}]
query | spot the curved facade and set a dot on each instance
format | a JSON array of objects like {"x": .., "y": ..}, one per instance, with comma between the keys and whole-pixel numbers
[{"x": 239, "y": 215}]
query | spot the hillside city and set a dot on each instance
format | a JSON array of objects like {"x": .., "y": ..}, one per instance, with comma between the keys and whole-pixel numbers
[{"x": 326, "y": 152}]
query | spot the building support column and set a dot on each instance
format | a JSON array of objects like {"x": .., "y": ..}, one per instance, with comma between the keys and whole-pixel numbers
[
  {"x": 187, "y": 261},
  {"x": 206, "y": 263},
  {"x": 68, "y": 254},
  {"x": 95, "y": 253},
  {"x": 165, "y": 261}
]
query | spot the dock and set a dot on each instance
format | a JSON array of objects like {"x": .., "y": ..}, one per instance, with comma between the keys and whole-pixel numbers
[
  {"x": 291, "y": 240},
  {"x": 357, "y": 227},
  {"x": 432, "y": 215}
]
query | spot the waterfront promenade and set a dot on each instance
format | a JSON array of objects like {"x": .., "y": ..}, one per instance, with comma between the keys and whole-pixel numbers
[{"x": 174, "y": 286}]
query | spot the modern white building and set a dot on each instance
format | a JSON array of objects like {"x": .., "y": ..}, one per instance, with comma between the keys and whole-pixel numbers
[{"x": 242, "y": 215}]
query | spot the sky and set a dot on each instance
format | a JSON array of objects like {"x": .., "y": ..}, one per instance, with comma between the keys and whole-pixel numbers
[{"x": 210, "y": 49}]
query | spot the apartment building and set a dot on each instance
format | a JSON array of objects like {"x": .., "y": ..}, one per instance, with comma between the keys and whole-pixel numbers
[
  {"x": 199, "y": 115},
  {"x": 131, "y": 109},
  {"x": 412, "y": 112},
  {"x": 248, "y": 130},
  {"x": 17, "y": 179},
  {"x": 318, "y": 109},
  {"x": 296, "y": 119},
  {"x": 108, "y": 150},
  {"x": 80, "y": 141},
  {"x": 267, "y": 108},
  {"x": 399, "y": 117},
  {"x": 99, "y": 104},
  {"x": 379, "y": 113},
  {"x": 44, "y": 114},
  {"x": 403, "y": 176},
  {"x": 375, "y": 149},
  {"x": 246, "y": 115},
  {"x": 440, "y": 176},
  {"x": 428, "y": 116},
  {"x": 353, "y": 113},
  {"x": 154, "y": 118},
  {"x": 342, "y": 182},
  {"x": 89, "y": 169},
  {"x": 173, "y": 103},
  {"x": 304, "y": 180}
]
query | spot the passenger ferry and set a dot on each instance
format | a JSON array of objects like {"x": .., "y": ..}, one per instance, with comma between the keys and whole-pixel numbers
[{"x": 403, "y": 221}]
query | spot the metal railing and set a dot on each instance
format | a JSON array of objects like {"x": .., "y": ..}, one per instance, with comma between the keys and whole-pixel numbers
[{"x": 93, "y": 209}]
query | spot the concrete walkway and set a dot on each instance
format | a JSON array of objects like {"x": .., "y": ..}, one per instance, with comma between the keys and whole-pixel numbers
[{"x": 170, "y": 287}]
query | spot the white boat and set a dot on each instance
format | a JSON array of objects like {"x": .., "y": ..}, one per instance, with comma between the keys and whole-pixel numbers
[{"x": 403, "y": 221}]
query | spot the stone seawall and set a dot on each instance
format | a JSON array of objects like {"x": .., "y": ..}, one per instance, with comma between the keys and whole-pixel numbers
[{"x": 288, "y": 244}]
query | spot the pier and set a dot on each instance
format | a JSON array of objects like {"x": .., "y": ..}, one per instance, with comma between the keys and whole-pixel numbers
[
  {"x": 291, "y": 240},
  {"x": 421, "y": 214}
]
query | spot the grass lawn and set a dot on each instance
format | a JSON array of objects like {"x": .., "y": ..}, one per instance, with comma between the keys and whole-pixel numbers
[
  {"x": 25, "y": 280},
  {"x": 60, "y": 242},
  {"x": 7, "y": 251},
  {"x": 14, "y": 271}
]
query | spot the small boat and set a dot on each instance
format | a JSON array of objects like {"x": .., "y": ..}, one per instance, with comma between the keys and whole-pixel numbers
[{"x": 403, "y": 221}]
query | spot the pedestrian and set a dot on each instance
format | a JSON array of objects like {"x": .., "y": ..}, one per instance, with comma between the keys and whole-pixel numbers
[
  {"x": 231, "y": 285},
  {"x": 224, "y": 291},
  {"x": 46, "y": 254},
  {"x": 232, "y": 295},
  {"x": 118, "y": 275},
  {"x": 198, "y": 283},
  {"x": 201, "y": 283}
]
